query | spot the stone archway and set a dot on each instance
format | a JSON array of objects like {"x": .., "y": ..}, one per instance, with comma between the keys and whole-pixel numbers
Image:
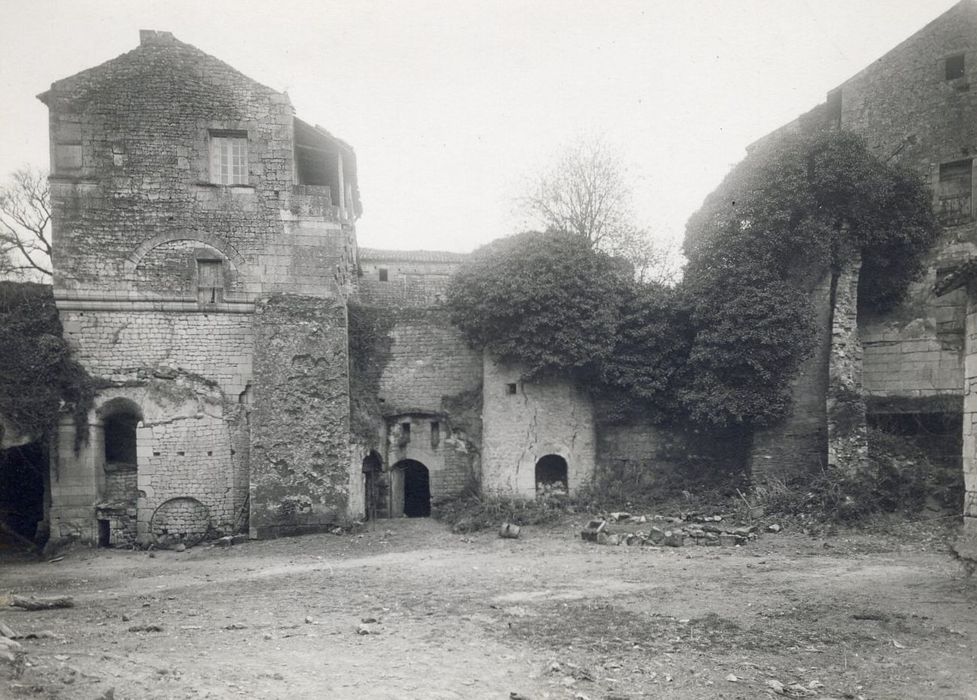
[
  {"x": 116, "y": 513},
  {"x": 413, "y": 492},
  {"x": 551, "y": 474}
]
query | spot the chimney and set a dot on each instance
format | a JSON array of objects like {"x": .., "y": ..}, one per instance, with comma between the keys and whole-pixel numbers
[{"x": 151, "y": 37}]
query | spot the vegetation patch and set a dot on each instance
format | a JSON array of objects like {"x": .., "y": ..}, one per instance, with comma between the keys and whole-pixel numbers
[{"x": 38, "y": 377}]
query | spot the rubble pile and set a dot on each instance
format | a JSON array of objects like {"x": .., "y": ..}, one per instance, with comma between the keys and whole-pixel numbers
[{"x": 688, "y": 529}]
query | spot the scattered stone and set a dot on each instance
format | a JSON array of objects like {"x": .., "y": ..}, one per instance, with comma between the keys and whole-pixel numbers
[
  {"x": 224, "y": 541},
  {"x": 656, "y": 535},
  {"x": 33, "y": 603},
  {"x": 308, "y": 620},
  {"x": 180, "y": 547},
  {"x": 620, "y": 516},
  {"x": 239, "y": 539},
  {"x": 109, "y": 694},
  {"x": 727, "y": 540},
  {"x": 613, "y": 540},
  {"x": 509, "y": 531},
  {"x": 336, "y": 531},
  {"x": 602, "y": 538},
  {"x": 6, "y": 631},
  {"x": 674, "y": 539},
  {"x": 592, "y": 530},
  {"x": 732, "y": 678},
  {"x": 266, "y": 636},
  {"x": 145, "y": 628},
  {"x": 369, "y": 620},
  {"x": 125, "y": 618},
  {"x": 773, "y": 528},
  {"x": 363, "y": 629},
  {"x": 235, "y": 626}
]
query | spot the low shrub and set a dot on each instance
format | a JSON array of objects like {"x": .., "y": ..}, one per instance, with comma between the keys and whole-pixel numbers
[{"x": 473, "y": 513}]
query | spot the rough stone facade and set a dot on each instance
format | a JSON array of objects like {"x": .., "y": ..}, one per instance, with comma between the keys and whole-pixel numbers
[
  {"x": 299, "y": 421},
  {"x": 524, "y": 422},
  {"x": 915, "y": 106},
  {"x": 184, "y": 196},
  {"x": 405, "y": 277}
]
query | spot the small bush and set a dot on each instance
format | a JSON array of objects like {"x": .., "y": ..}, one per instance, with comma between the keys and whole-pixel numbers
[
  {"x": 474, "y": 513},
  {"x": 899, "y": 477}
]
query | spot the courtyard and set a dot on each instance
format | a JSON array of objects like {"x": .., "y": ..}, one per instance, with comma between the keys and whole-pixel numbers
[{"x": 407, "y": 609}]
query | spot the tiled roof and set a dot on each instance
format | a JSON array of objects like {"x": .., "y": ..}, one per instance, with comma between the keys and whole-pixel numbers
[{"x": 434, "y": 256}]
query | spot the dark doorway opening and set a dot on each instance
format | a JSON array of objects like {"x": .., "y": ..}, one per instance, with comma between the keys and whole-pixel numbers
[
  {"x": 417, "y": 489},
  {"x": 551, "y": 470},
  {"x": 22, "y": 478},
  {"x": 120, "y": 438},
  {"x": 372, "y": 467},
  {"x": 104, "y": 533}
]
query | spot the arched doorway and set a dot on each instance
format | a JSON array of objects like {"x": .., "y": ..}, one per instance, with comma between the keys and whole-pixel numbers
[
  {"x": 416, "y": 480},
  {"x": 115, "y": 512},
  {"x": 551, "y": 474}
]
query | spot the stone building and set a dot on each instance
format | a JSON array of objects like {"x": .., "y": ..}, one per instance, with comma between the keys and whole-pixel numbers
[
  {"x": 914, "y": 366},
  {"x": 256, "y": 369},
  {"x": 205, "y": 247}
]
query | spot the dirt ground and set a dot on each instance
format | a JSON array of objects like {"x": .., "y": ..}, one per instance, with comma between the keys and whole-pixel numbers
[{"x": 409, "y": 610}]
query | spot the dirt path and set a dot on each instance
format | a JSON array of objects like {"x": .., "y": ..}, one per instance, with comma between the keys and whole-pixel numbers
[{"x": 546, "y": 616}]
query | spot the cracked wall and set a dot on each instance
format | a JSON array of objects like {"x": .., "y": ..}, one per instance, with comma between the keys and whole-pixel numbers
[
  {"x": 301, "y": 467},
  {"x": 524, "y": 421}
]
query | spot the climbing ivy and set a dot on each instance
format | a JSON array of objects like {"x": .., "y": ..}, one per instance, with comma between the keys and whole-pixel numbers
[
  {"x": 39, "y": 380},
  {"x": 790, "y": 213},
  {"x": 720, "y": 350}
]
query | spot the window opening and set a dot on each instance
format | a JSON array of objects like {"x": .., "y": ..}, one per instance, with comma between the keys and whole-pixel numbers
[
  {"x": 435, "y": 433},
  {"x": 954, "y": 67},
  {"x": 511, "y": 389},
  {"x": 229, "y": 159},
  {"x": 210, "y": 281},
  {"x": 383, "y": 274},
  {"x": 120, "y": 438},
  {"x": 956, "y": 192}
]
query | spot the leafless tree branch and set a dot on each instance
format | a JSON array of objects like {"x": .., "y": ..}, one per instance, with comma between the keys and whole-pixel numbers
[{"x": 25, "y": 224}]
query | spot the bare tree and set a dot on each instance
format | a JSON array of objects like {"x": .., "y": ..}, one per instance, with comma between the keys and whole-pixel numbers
[
  {"x": 586, "y": 192},
  {"x": 25, "y": 225}
]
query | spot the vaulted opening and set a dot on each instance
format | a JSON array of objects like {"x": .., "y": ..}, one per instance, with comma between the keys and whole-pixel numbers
[
  {"x": 22, "y": 479},
  {"x": 551, "y": 472}
]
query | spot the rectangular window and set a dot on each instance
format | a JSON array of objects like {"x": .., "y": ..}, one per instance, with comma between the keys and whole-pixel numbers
[
  {"x": 956, "y": 192},
  {"x": 383, "y": 274},
  {"x": 435, "y": 433},
  {"x": 210, "y": 282},
  {"x": 954, "y": 67},
  {"x": 511, "y": 389},
  {"x": 229, "y": 158}
]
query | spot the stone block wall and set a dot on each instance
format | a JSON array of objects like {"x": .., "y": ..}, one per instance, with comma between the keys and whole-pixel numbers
[
  {"x": 405, "y": 278},
  {"x": 910, "y": 114},
  {"x": 525, "y": 421},
  {"x": 798, "y": 445},
  {"x": 301, "y": 470}
]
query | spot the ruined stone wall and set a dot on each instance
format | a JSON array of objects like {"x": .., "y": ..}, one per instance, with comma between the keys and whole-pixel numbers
[
  {"x": 424, "y": 374},
  {"x": 301, "y": 470},
  {"x": 128, "y": 345},
  {"x": 911, "y": 114},
  {"x": 412, "y": 278},
  {"x": 524, "y": 421},
  {"x": 798, "y": 445},
  {"x": 428, "y": 360}
]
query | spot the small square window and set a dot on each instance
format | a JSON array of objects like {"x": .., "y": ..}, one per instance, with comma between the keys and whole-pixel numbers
[
  {"x": 383, "y": 274},
  {"x": 511, "y": 389},
  {"x": 954, "y": 67},
  {"x": 229, "y": 158}
]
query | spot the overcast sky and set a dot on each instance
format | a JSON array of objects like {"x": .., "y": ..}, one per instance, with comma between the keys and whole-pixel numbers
[{"x": 451, "y": 106}]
